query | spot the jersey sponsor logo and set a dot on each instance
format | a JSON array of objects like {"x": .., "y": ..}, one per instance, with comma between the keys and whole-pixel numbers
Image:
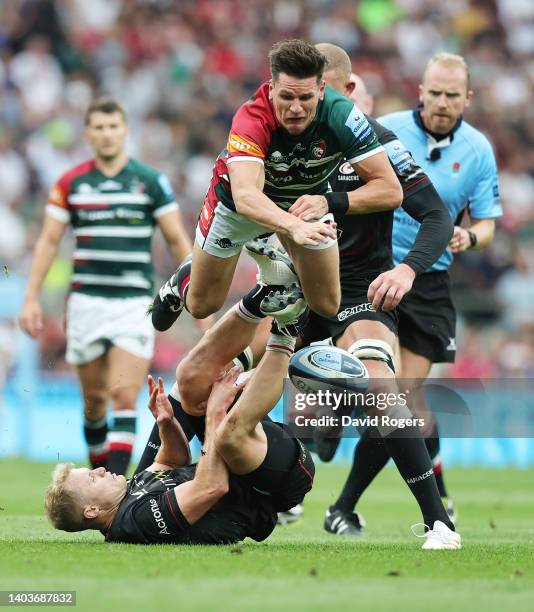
[
  {"x": 158, "y": 517},
  {"x": 107, "y": 215},
  {"x": 239, "y": 144},
  {"x": 318, "y": 149},
  {"x": 109, "y": 185},
  {"x": 354, "y": 310},
  {"x": 399, "y": 156},
  {"x": 346, "y": 168},
  {"x": 357, "y": 123}
]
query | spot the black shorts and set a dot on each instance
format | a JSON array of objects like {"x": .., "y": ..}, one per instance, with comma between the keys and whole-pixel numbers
[
  {"x": 354, "y": 307},
  {"x": 287, "y": 471},
  {"x": 427, "y": 318}
]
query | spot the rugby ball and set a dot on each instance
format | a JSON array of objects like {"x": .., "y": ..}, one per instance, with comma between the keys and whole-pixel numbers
[{"x": 316, "y": 368}]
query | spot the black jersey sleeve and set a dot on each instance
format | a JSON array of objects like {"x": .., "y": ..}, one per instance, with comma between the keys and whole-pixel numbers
[
  {"x": 159, "y": 519},
  {"x": 426, "y": 206}
]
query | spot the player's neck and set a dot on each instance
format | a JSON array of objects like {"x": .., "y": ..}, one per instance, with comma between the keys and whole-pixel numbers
[{"x": 111, "y": 166}]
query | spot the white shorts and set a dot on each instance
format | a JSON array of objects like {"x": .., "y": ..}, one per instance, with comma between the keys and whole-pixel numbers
[
  {"x": 223, "y": 232},
  {"x": 94, "y": 324}
]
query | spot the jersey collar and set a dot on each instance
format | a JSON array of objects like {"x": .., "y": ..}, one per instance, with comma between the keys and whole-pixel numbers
[{"x": 435, "y": 142}]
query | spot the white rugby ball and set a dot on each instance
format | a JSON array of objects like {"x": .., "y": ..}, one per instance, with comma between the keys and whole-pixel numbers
[{"x": 316, "y": 368}]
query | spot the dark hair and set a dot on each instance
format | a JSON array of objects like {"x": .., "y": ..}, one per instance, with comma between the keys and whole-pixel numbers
[
  {"x": 296, "y": 58},
  {"x": 104, "y": 105}
]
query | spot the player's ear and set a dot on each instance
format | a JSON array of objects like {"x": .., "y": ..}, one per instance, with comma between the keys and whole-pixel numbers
[
  {"x": 420, "y": 92},
  {"x": 468, "y": 98},
  {"x": 321, "y": 89},
  {"x": 91, "y": 512},
  {"x": 350, "y": 86}
]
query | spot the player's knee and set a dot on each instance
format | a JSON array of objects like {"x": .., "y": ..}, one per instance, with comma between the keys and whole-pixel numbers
[
  {"x": 326, "y": 304},
  {"x": 203, "y": 306},
  {"x": 123, "y": 397}
]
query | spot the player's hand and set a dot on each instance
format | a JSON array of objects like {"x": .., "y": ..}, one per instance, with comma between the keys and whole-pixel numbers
[
  {"x": 309, "y": 207},
  {"x": 31, "y": 318},
  {"x": 312, "y": 234},
  {"x": 223, "y": 393},
  {"x": 460, "y": 240},
  {"x": 158, "y": 402},
  {"x": 390, "y": 287}
]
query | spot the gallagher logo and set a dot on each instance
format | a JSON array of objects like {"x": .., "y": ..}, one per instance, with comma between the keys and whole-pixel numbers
[{"x": 318, "y": 149}]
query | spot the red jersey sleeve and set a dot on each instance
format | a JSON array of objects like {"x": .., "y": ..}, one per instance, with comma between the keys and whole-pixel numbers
[{"x": 250, "y": 134}]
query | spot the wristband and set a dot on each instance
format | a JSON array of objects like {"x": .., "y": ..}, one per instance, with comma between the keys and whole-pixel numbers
[
  {"x": 473, "y": 239},
  {"x": 338, "y": 202}
]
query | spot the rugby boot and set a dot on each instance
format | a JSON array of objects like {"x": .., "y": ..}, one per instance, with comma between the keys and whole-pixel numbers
[
  {"x": 274, "y": 266},
  {"x": 168, "y": 304},
  {"x": 344, "y": 523}
]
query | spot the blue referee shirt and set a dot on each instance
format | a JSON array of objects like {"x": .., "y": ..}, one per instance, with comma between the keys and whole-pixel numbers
[{"x": 464, "y": 175}]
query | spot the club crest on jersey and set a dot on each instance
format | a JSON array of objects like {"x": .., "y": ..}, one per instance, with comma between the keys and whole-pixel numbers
[
  {"x": 346, "y": 168},
  {"x": 318, "y": 149}
]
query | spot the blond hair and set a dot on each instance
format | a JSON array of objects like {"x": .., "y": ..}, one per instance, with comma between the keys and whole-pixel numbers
[
  {"x": 62, "y": 506},
  {"x": 449, "y": 60},
  {"x": 337, "y": 59}
]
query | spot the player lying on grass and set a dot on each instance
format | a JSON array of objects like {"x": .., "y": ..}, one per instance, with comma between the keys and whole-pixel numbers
[{"x": 250, "y": 468}]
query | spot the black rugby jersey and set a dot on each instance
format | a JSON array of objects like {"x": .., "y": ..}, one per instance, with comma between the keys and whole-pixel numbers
[
  {"x": 150, "y": 514},
  {"x": 365, "y": 246}
]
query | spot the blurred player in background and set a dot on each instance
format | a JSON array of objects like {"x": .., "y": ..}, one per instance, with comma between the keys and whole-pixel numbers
[
  {"x": 461, "y": 164},
  {"x": 113, "y": 203},
  {"x": 283, "y": 145}
]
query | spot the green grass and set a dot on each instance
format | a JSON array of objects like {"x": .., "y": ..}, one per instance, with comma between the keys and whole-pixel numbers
[{"x": 300, "y": 567}]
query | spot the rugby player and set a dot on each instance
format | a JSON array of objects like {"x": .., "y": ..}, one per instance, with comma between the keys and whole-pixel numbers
[
  {"x": 249, "y": 469},
  {"x": 113, "y": 203},
  {"x": 283, "y": 145},
  {"x": 362, "y": 327},
  {"x": 461, "y": 164}
]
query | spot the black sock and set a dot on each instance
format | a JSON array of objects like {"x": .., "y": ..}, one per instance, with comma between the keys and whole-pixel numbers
[
  {"x": 433, "y": 447},
  {"x": 250, "y": 303},
  {"x": 183, "y": 278},
  {"x": 95, "y": 434},
  {"x": 370, "y": 456},
  {"x": 407, "y": 448},
  {"x": 190, "y": 425}
]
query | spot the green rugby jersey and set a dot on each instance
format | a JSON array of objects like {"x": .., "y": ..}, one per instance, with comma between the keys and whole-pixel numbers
[
  {"x": 300, "y": 164},
  {"x": 113, "y": 219}
]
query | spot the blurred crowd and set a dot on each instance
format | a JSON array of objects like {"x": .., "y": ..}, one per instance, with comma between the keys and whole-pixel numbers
[{"x": 182, "y": 67}]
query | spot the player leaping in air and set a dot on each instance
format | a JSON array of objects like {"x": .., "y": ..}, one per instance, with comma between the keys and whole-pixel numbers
[{"x": 283, "y": 145}]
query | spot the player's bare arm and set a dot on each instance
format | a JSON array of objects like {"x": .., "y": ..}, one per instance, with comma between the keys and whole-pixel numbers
[
  {"x": 382, "y": 191},
  {"x": 477, "y": 236},
  {"x": 247, "y": 179},
  {"x": 174, "y": 449},
  {"x": 31, "y": 316},
  {"x": 175, "y": 235},
  {"x": 210, "y": 483}
]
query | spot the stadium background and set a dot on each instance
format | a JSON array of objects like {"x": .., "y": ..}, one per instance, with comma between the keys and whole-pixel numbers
[{"x": 181, "y": 68}]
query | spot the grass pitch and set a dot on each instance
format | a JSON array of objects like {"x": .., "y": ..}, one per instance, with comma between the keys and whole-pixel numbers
[{"x": 300, "y": 567}]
